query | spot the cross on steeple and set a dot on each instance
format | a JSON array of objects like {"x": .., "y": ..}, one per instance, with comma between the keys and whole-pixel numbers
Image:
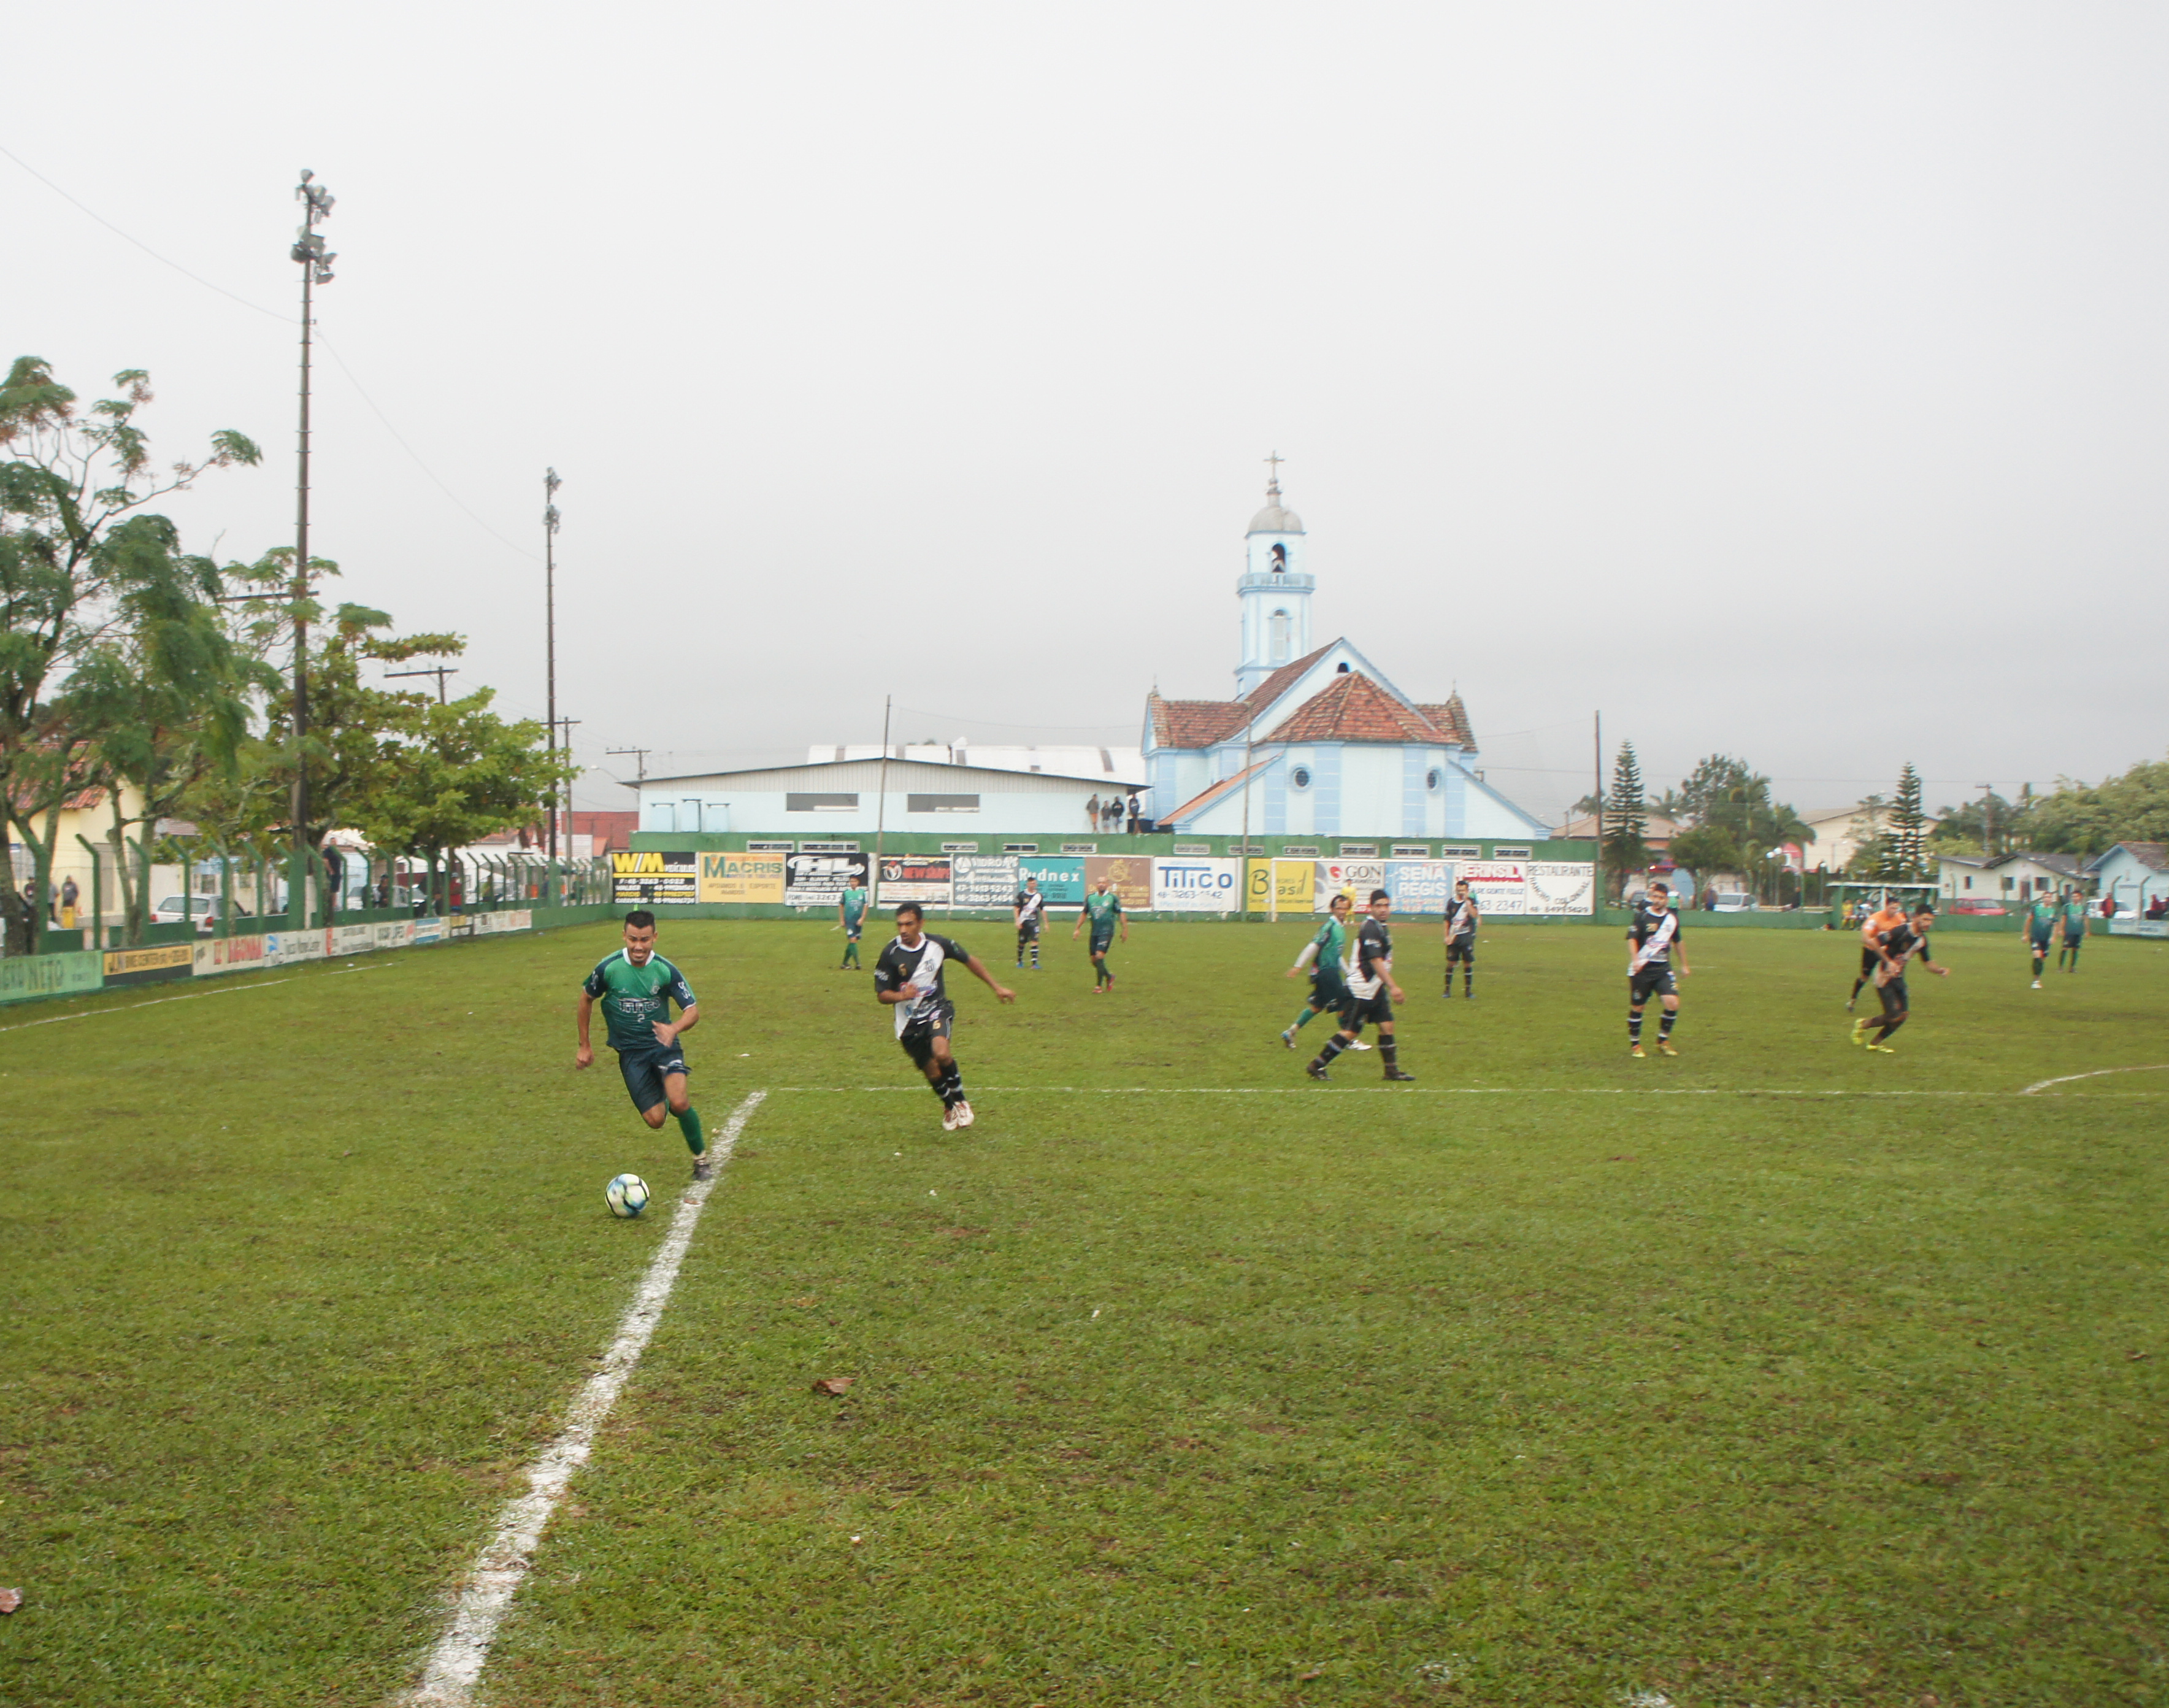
[{"x": 1273, "y": 480}]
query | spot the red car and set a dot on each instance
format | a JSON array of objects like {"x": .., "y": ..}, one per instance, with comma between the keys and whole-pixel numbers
[{"x": 1966, "y": 904}]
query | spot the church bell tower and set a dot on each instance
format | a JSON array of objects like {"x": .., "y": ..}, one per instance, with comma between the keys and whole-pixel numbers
[{"x": 1275, "y": 590}]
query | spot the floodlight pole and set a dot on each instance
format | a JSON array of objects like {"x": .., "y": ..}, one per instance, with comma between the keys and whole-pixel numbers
[
  {"x": 881, "y": 808},
  {"x": 316, "y": 263},
  {"x": 550, "y": 485}
]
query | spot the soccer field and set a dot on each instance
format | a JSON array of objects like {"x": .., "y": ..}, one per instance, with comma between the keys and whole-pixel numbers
[{"x": 1775, "y": 1374}]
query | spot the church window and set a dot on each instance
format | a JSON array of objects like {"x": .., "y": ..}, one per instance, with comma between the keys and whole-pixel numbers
[
  {"x": 1280, "y": 559},
  {"x": 1341, "y": 670},
  {"x": 1280, "y": 636},
  {"x": 1300, "y": 777},
  {"x": 1430, "y": 779}
]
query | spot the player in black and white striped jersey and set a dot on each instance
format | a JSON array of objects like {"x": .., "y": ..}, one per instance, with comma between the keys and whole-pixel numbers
[
  {"x": 1030, "y": 908},
  {"x": 909, "y": 977},
  {"x": 1463, "y": 917}
]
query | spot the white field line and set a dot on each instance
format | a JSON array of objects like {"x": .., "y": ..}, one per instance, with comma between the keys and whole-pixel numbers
[
  {"x": 447, "y": 1680},
  {"x": 2066, "y": 1078},
  {"x": 228, "y": 990},
  {"x": 1447, "y": 1091}
]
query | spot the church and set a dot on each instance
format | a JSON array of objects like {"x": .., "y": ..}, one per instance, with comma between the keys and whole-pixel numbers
[{"x": 1317, "y": 742}]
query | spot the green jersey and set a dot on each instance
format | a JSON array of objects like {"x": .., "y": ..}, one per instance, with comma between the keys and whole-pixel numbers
[
  {"x": 2041, "y": 919},
  {"x": 1332, "y": 945},
  {"x": 855, "y": 905},
  {"x": 1104, "y": 910},
  {"x": 2075, "y": 919},
  {"x": 634, "y": 998}
]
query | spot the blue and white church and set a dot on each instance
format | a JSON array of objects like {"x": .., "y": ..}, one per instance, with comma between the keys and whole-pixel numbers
[{"x": 1317, "y": 741}]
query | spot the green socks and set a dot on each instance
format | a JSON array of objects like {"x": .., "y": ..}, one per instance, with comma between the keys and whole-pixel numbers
[{"x": 689, "y": 1124}]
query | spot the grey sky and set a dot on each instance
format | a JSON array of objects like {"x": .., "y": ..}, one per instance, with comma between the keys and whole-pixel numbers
[{"x": 1790, "y": 381}]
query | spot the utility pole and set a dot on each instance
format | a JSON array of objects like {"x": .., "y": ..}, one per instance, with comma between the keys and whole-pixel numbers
[
  {"x": 440, "y": 671},
  {"x": 640, "y": 753},
  {"x": 550, "y": 485},
  {"x": 880, "y": 810},
  {"x": 316, "y": 263},
  {"x": 564, "y": 746},
  {"x": 1987, "y": 820}
]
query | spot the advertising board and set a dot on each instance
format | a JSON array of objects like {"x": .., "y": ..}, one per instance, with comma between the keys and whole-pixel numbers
[
  {"x": 923, "y": 878},
  {"x": 1131, "y": 876},
  {"x": 1500, "y": 886},
  {"x": 24, "y": 976},
  {"x": 1566, "y": 887},
  {"x": 648, "y": 877},
  {"x": 1419, "y": 886},
  {"x": 1199, "y": 885},
  {"x": 985, "y": 880},
  {"x": 1060, "y": 878},
  {"x": 1282, "y": 886},
  {"x": 148, "y": 965},
  {"x": 819, "y": 880},
  {"x": 1357, "y": 877},
  {"x": 229, "y": 955},
  {"x": 726, "y": 877}
]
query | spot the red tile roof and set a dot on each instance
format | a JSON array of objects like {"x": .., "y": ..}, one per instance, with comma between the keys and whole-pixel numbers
[
  {"x": 1227, "y": 785},
  {"x": 1355, "y": 708},
  {"x": 1202, "y": 722},
  {"x": 1452, "y": 716}
]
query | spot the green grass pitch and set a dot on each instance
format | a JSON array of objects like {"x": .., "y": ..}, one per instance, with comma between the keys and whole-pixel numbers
[{"x": 1776, "y": 1375}]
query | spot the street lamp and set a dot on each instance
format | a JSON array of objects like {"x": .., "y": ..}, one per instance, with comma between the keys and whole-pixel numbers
[{"x": 316, "y": 263}]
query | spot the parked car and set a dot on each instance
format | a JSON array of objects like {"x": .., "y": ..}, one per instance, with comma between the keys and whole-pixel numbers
[
  {"x": 204, "y": 911},
  {"x": 1734, "y": 901},
  {"x": 1974, "y": 903}
]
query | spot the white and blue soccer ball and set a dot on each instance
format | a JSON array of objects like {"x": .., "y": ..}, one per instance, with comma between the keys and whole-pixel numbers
[{"x": 627, "y": 1195}]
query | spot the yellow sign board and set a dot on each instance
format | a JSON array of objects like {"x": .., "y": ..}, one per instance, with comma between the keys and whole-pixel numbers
[
  {"x": 742, "y": 878},
  {"x": 1285, "y": 886}
]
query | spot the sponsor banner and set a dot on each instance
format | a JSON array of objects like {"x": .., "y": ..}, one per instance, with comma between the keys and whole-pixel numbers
[
  {"x": 51, "y": 975},
  {"x": 426, "y": 930},
  {"x": 1131, "y": 876},
  {"x": 1562, "y": 888},
  {"x": 143, "y": 966},
  {"x": 819, "y": 880},
  {"x": 311, "y": 945},
  {"x": 1060, "y": 878},
  {"x": 354, "y": 939},
  {"x": 740, "y": 878},
  {"x": 986, "y": 880},
  {"x": 230, "y": 955},
  {"x": 394, "y": 933},
  {"x": 1359, "y": 878},
  {"x": 1195, "y": 885},
  {"x": 1421, "y": 886},
  {"x": 646, "y": 878},
  {"x": 1500, "y": 886},
  {"x": 923, "y": 878},
  {"x": 2117, "y": 928},
  {"x": 1282, "y": 886}
]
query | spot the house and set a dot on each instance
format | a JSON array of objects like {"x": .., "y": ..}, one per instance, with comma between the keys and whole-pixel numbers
[
  {"x": 1122, "y": 766},
  {"x": 2010, "y": 879},
  {"x": 1657, "y": 833},
  {"x": 1318, "y": 742},
  {"x": 1839, "y": 832},
  {"x": 845, "y": 797},
  {"x": 2135, "y": 874}
]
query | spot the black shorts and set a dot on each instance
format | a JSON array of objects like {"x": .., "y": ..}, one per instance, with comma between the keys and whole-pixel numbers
[
  {"x": 2041, "y": 946},
  {"x": 1376, "y": 1010},
  {"x": 1101, "y": 945},
  {"x": 1870, "y": 961},
  {"x": 1655, "y": 979},
  {"x": 931, "y": 1022},
  {"x": 1462, "y": 948},
  {"x": 1894, "y": 996},
  {"x": 1327, "y": 996},
  {"x": 2072, "y": 944},
  {"x": 852, "y": 927},
  {"x": 644, "y": 1071},
  {"x": 1028, "y": 930}
]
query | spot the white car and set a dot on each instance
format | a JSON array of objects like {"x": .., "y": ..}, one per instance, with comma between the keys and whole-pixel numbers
[
  {"x": 168, "y": 911},
  {"x": 1733, "y": 901}
]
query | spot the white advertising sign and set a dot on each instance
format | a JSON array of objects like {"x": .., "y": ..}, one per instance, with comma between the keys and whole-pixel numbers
[
  {"x": 1196, "y": 886},
  {"x": 1500, "y": 886},
  {"x": 1358, "y": 877}
]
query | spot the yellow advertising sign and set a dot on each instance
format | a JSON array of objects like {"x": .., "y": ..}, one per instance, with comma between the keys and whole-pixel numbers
[
  {"x": 1285, "y": 885},
  {"x": 742, "y": 878}
]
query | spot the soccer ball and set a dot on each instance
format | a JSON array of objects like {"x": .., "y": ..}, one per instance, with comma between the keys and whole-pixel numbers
[{"x": 627, "y": 1195}]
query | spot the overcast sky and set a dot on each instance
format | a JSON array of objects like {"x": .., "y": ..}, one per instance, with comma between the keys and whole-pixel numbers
[{"x": 1790, "y": 381}]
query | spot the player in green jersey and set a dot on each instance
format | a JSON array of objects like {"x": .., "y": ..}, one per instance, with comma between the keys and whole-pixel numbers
[
  {"x": 1104, "y": 908},
  {"x": 1328, "y": 979},
  {"x": 851, "y": 916},
  {"x": 636, "y": 987},
  {"x": 2073, "y": 931},
  {"x": 2040, "y": 922}
]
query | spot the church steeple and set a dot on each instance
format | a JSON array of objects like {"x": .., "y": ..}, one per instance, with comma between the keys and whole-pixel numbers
[{"x": 1275, "y": 589}]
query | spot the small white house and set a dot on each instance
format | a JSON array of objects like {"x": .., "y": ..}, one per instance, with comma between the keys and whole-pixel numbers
[
  {"x": 2011, "y": 879},
  {"x": 846, "y": 798},
  {"x": 2135, "y": 874}
]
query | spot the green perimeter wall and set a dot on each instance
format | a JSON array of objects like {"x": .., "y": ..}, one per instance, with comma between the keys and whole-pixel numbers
[{"x": 1159, "y": 842}]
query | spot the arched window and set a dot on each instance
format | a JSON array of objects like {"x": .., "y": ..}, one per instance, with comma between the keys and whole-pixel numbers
[
  {"x": 1280, "y": 557},
  {"x": 1280, "y": 641}
]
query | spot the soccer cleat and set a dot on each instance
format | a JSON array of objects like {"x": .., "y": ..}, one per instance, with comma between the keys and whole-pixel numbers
[
  {"x": 1859, "y": 1032},
  {"x": 2037, "y": 983},
  {"x": 1636, "y": 1051},
  {"x": 1396, "y": 1073},
  {"x": 1357, "y": 1043},
  {"x": 1665, "y": 1047},
  {"x": 1848, "y": 1004},
  {"x": 1316, "y": 1069},
  {"x": 1883, "y": 1049},
  {"x": 948, "y": 1118},
  {"x": 703, "y": 1169},
  {"x": 1287, "y": 1037},
  {"x": 964, "y": 1116}
]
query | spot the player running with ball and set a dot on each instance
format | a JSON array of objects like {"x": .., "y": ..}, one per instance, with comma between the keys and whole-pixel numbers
[
  {"x": 636, "y": 987},
  {"x": 1329, "y": 989},
  {"x": 1896, "y": 946},
  {"x": 1369, "y": 982},
  {"x": 1655, "y": 935},
  {"x": 909, "y": 976}
]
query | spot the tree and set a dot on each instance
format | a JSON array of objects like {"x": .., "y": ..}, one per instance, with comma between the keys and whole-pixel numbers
[
  {"x": 1728, "y": 796},
  {"x": 1626, "y": 818},
  {"x": 78, "y": 553},
  {"x": 1705, "y": 848},
  {"x": 2074, "y": 819},
  {"x": 1909, "y": 829},
  {"x": 1987, "y": 825}
]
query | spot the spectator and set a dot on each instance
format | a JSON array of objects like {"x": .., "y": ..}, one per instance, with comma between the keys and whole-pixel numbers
[
  {"x": 1137, "y": 812},
  {"x": 70, "y": 895},
  {"x": 1092, "y": 814}
]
